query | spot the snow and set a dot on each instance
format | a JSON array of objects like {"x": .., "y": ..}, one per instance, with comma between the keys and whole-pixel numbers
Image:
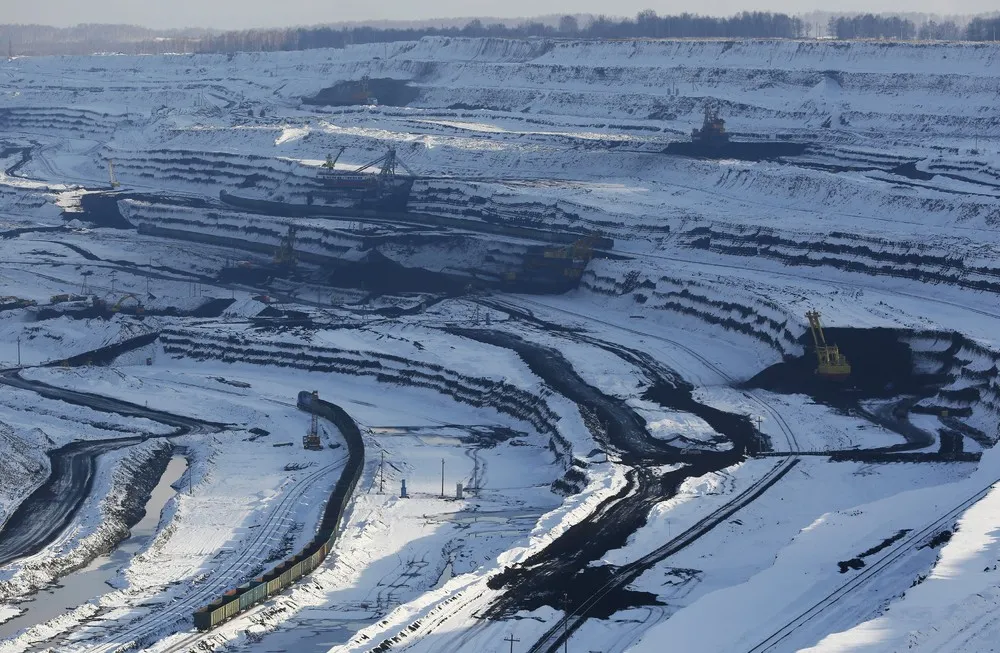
[{"x": 721, "y": 261}]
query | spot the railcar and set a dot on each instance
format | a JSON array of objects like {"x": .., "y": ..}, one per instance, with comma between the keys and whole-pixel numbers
[{"x": 251, "y": 593}]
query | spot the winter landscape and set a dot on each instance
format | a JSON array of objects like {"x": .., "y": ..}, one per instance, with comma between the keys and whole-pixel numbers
[{"x": 533, "y": 292}]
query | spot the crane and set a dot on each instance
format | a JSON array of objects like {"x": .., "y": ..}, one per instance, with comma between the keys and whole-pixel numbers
[
  {"x": 311, "y": 439},
  {"x": 331, "y": 161},
  {"x": 831, "y": 363}
]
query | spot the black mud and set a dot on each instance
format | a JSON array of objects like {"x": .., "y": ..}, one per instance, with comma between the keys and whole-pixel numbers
[
  {"x": 881, "y": 367},
  {"x": 625, "y": 430},
  {"x": 100, "y": 209},
  {"x": 388, "y": 92},
  {"x": 565, "y": 566},
  {"x": 380, "y": 275}
]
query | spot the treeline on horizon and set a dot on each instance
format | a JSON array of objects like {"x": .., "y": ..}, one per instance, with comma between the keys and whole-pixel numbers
[{"x": 84, "y": 39}]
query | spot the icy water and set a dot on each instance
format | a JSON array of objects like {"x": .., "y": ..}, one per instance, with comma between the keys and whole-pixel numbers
[{"x": 92, "y": 581}]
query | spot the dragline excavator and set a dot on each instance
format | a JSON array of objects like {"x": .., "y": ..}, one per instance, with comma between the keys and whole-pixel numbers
[{"x": 831, "y": 363}]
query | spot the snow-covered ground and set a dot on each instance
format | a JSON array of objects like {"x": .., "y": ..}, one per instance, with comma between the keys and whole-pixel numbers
[{"x": 886, "y": 222}]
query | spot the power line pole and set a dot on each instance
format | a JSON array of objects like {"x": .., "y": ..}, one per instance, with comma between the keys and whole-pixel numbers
[
  {"x": 510, "y": 638},
  {"x": 19, "y": 352},
  {"x": 442, "y": 478},
  {"x": 381, "y": 474},
  {"x": 475, "y": 471}
]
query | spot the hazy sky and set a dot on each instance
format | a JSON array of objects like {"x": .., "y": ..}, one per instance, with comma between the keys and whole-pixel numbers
[{"x": 256, "y": 13}]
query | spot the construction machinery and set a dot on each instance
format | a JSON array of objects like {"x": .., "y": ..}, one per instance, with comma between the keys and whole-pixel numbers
[
  {"x": 10, "y": 301},
  {"x": 331, "y": 161},
  {"x": 111, "y": 175},
  {"x": 712, "y": 142},
  {"x": 385, "y": 186},
  {"x": 281, "y": 265},
  {"x": 551, "y": 269},
  {"x": 135, "y": 307},
  {"x": 284, "y": 257},
  {"x": 311, "y": 439},
  {"x": 713, "y": 131},
  {"x": 832, "y": 364}
]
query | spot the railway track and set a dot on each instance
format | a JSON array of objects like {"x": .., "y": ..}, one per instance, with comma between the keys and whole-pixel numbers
[
  {"x": 222, "y": 579},
  {"x": 799, "y": 276},
  {"x": 779, "y": 420},
  {"x": 557, "y": 634},
  {"x": 895, "y": 554},
  {"x": 553, "y": 638}
]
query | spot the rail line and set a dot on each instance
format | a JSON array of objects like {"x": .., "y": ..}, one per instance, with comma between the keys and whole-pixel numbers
[
  {"x": 556, "y": 635},
  {"x": 869, "y": 572},
  {"x": 221, "y": 579},
  {"x": 624, "y": 575},
  {"x": 779, "y": 420}
]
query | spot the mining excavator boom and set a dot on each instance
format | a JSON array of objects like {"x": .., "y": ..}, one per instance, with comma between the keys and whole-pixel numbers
[{"x": 831, "y": 363}]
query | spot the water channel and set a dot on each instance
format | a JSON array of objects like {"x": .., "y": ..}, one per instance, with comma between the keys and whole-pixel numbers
[{"x": 93, "y": 581}]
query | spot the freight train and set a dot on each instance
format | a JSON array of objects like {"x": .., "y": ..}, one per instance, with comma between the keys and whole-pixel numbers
[{"x": 241, "y": 598}]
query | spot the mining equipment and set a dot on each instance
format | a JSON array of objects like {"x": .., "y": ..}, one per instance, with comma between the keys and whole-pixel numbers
[
  {"x": 311, "y": 439},
  {"x": 712, "y": 142},
  {"x": 713, "y": 131},
  {"x": 111, "y": 175},
  {"x": 832, "y": 364},
  {"x": 118, "y": 306},
  {"x": 951, "y": 443},
  {"x": 284, "y": 257},
  {"x": 385, "y": 188},
  {"x": 365, "y": 96},
  {"x": 255, "y": 272},
  {"x": 9, "y": 301},
  {"x": 549, "y": 269}
]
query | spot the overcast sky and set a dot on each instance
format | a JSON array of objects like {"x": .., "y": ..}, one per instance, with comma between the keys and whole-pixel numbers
[{"x": 228, "y": 14}]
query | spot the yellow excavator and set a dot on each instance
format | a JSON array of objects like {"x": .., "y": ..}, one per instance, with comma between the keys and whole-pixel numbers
[
  {"x": 117, "y": 307},
  {"x": 115, "y": 184},
  {"x": 832, "y": 364},
  {"x": 284, "y": 256}
]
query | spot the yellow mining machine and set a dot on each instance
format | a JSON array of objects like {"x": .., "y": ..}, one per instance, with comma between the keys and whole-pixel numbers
[
  {"x": 284, "y": 257},
  {"x": 115, "y": 184},
  {"x": 120, "y": 304},
  {"x": 832, "y": 364},
  {"x": 311, "y": 439}
]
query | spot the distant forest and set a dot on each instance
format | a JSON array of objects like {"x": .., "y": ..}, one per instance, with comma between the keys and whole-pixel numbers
[{"x": 85, "y": 39}]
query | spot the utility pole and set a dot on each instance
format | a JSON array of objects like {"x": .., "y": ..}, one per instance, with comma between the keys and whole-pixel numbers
[
  {"x": 381, "y": 474},
  {"x": 510, "y": 638},
  {"x": 475, "y": 471},
  {"x": 19, "y": 355},
  {"x": 442, "y": 478}
]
